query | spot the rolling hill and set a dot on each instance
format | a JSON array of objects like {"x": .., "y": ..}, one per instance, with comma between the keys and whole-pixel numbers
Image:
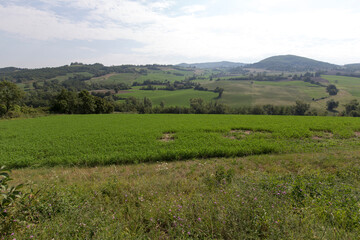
[
  {"x": 292, "y": 63},
  {"x": 223, "y": 64}
]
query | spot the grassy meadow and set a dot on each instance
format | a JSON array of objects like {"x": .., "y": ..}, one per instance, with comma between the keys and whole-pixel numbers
[
  {"x": 170, "y": 98},
  {"x": 163, "y": 74},
  {"x": 239, "y": 93},
  {"x": 288, "y": 196},
  {"x": 349, "y": 84}
]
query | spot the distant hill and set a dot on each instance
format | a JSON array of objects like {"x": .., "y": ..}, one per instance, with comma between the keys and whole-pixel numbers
[
  {"x": 353, "y": 66},
  {"x": 292, "y": 63},
  {"x": 223, "y": 64},
  {"x": 9, "y": 69}
]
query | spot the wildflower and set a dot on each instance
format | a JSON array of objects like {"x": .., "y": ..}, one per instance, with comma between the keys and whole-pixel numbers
[
  {"x": 188, "y": 233},
  {"x": 199, "y": 219},
  {"x": 12, "y": 234},
  {"x": 31, "y": 236},
  {"x": 255, "y": 199}
]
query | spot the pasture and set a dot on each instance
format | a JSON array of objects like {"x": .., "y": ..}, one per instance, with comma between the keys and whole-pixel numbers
[
  {"x": 165, "y": 74},
  {"x": 349, "y": 84},
  {"x": 170, "y": 98},
  {"x": 240, "y": 93}
]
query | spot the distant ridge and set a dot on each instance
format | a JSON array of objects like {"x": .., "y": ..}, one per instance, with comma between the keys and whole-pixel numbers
[
  {"x": 353, "y": 66},
  {"x": 223, "y": 64},
  {"x": 9, "y": 69},
  {"x": 292, "y": 63}
]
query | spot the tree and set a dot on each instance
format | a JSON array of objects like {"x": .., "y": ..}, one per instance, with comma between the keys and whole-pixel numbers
[
  {"x": 352, "y": 108},
  {"x": 10, "y": 95},
  {"x": 332, "y": 90},
  {"x": 162, "y": 104},
  {"x": 65, "y": 102},
  {"x": 220, "y": 91},
  {"x": 197, "y": 105},
  {"x": 331, "y": 105},
  {"x": 301, "y": 108},
  {"x": 87, "y": 103}
]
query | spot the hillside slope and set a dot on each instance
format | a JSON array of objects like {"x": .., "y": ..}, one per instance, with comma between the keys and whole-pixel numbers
[
  {"x": 223, "y": 64},
  {"x": 291, "y": 63}
]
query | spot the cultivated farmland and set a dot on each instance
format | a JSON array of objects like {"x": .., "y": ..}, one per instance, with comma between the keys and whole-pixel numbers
[{"x": 91, "y": 140}]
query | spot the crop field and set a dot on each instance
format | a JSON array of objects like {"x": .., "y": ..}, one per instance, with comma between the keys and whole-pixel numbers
[
  {"x": 246, "y": 177},
  {"x": 170, "y": 98},
  {"x": 91, "y": 140}
]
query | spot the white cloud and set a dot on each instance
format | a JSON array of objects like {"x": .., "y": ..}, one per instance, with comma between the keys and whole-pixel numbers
[
  {"x": 194, "y": 9},
  {"x": 245, "y": 37}
]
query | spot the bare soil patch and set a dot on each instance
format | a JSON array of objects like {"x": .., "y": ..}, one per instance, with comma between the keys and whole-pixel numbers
[
  {"x": 357, "y": 134},
  {"x": 246, "y": 132},
  {"x": 124, "y": 91},
  {"x": 320, "y": 80},
  {"x": 319, "y": 135},
  {"x": 238, "y": 133},
  {"x": 102, "y": 91},
  {"x": 167, "y": 137}
]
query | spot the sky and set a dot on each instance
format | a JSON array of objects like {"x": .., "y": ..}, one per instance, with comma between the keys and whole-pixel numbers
[{"x": 47, "y": 33}]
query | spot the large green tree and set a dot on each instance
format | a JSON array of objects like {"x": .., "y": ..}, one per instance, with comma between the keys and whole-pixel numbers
[
  {"x": 10, "y": 95},
  {"x": 332, "y": 90},
  {"x": 301, "y": 107},
  {"x": 331, "y": 105}
]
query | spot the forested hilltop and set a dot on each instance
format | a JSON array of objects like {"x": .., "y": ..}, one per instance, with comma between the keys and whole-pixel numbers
[{"x": 280, "y": 85}]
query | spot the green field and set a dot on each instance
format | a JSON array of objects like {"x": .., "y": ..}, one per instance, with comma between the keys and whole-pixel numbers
[
  {"x": 247, "y": 177},
  {"x": 170, "y": 98},
  {"x": 119, "y": 139},
  {"x": 240, "y": 93},
  {"x": 349, "y": 84},
  {"x": 166, "y": 74}
]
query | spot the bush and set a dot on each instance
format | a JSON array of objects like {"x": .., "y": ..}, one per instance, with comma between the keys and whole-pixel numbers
[{"x": 9, "y": 199}]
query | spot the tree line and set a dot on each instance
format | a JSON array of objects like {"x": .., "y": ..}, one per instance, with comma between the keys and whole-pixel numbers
[{"x": 66, "y": 101}]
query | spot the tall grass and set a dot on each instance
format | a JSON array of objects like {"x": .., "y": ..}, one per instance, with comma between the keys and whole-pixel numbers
[{"x": 296, "y": 196}]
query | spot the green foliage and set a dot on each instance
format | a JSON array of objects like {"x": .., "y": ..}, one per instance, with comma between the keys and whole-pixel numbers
[
  {"x": 10, "y": 198},
  {"x": 352, "y": 108},
  {"x": 301, "y": 108},
  {"x": 331, "y": 105},
  {"x": 332, "y": 90},
  {"x": 10, "y": 95},
  {"x": 72, "y": 103}
]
